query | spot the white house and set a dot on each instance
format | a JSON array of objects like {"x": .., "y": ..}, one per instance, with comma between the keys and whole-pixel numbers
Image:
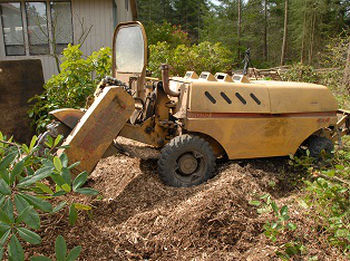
[{"x": 37, "y": 29}]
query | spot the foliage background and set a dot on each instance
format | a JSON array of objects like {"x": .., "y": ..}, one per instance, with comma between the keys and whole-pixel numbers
[{"x": 70, "y": 88}]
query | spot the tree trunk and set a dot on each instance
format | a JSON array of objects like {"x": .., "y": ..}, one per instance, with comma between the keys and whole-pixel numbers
[
  {"x": 265, "y": 31},
  {"x": 346, "y": 79},
  {"x": 239, "y": 28},
  {"x": 313, "y": 25},
  {"x": 303, "y": 38},
  {"x": 285, "y": 33}
]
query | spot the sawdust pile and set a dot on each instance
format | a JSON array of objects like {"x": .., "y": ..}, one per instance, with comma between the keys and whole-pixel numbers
[{"x": 139, "y": 218}]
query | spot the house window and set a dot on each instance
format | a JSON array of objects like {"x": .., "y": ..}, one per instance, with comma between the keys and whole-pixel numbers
[
  {"x": 127, "y": 5},
  {"x": 115, "y": 13},
  {"x": 48, "y": 26},
  {"x": 61, "y": 24},
  {"x": 12, "y": 28},
  {"x": 37, "y": 25}
]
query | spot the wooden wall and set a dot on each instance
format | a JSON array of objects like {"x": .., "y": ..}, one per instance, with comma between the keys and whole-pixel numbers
[
  {"x": 19, "y": 81},
  {"x": 99, "y": 14}
]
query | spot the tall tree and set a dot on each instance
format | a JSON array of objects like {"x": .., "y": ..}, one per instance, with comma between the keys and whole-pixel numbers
[
  {"x": 265, "y": 31},
  {"x": 303, "y": 37},
  {"x": 285, "y": 33},
  {"x": 189, "y": 14},
  {"x": 239, "y": 28},
  {"x": 346, "y": 79}
]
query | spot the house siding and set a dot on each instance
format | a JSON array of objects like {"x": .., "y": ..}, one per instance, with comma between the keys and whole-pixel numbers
[{"x": 95, "y": 13}]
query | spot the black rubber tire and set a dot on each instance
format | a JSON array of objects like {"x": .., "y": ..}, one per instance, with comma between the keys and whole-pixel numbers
[
  {"x": 201, "y": 151},
  {"x": 319, "y": 144}
]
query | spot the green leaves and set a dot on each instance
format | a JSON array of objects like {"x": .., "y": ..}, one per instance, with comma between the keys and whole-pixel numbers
[
  {"x": 29, "y": 236},
  {"x": 58, "y": 164},
  {"x": 5, "y": 162},
  {"x": 4, "y": 218},
  {"x": 291, "y": 226},
  {"x": 38, "y": 175},
  {"x": 80, "y": 180},
  {"x": 27, "y": 214},
  {"x": 59, "y": 207},
  {"x": 61, "y": 252},
  {"x": 205, "y": 56},
  {"x": 40, "y": 258},
  {"x": 15, "y": 250},
  {"x": 73, "y": 215},
  {"x": 72, "y": 86},
  {"x": 17, "y": 170},
  {"x": 255, "y": 203},
  {"x": 37, "y": 202},
  {"x": 74, "y": 254},
  {"x": 24, "y": 193},
  {"x": 279, "y": 223},
  {"x": 61, "y": 248},
  {"x": 87, "y": 191},
  {"x": 4, "y": 188},
  {"x": 4, "y": 237}
]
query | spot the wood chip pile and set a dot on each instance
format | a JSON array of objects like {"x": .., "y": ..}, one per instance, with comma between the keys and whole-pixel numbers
[{"x": 139, "y": 218}]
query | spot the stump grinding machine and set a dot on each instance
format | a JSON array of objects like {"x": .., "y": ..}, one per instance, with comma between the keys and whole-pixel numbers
[{"x": 196, "y": 119}]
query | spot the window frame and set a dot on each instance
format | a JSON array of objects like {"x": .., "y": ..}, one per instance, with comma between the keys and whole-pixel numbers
[
  {"x": 115, "y": 13},
  {"x": 24, "y": 18},
  {"x": 47, "y": 25},
  {"x": 50, "y": 12},
  {"x": 3, "y": 31}
]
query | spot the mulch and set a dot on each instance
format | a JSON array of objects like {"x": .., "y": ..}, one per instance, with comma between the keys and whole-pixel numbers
[{"x": 136, "y": 217}]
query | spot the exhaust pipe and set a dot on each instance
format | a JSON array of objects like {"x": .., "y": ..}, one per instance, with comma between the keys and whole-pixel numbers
[{"x": 165, "y": 78}]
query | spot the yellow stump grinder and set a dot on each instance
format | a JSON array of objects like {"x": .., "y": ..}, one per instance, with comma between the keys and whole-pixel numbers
[{"x": 196, "y": 119}]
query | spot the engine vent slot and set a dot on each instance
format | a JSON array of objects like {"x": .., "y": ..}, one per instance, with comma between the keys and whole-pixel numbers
[
  {"x": 256, "y": 99},
  {"x": 226, "y": 98},
  {"x": 240, "y": 97},
  {"x": 211, "y": 98}
]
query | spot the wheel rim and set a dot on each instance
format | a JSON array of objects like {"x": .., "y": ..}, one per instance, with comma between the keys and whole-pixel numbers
[
  {"x": 190, "y": 167},
  {"x": 187, "y": 164}
]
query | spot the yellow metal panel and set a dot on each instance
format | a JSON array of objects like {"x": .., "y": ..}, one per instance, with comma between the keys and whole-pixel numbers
[
  {"x": 201, "y": 103},
  {"x": 98, "y": 127},
  {"x": 312, "y": 98},
  {"x": 255, "y": 136}
]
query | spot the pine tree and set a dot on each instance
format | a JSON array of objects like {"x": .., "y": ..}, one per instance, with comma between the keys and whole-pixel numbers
[{"x": 285, "y": 33}]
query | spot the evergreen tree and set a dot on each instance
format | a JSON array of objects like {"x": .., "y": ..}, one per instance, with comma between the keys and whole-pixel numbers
[{"x": 256, "y": 24}]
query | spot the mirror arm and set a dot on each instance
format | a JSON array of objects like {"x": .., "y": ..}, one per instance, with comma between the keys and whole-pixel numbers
[{"x": 165, "y": 78}]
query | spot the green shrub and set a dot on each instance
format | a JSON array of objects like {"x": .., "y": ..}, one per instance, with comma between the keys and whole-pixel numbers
[
  {"x": 205, "y": 56},
  {"x": 61, "y": 252},
  {"x": 25, "y": 191},
  {"x": 281, "y": 216},
  {"x": 333, "y": 62},
  {"x": 329, "y": 198},
  {"x": 71, "y": 87},
  {"x": 328, "y": 195},
  {"x": 165, "y": 32},
  {"x": 301, "y": 73}
]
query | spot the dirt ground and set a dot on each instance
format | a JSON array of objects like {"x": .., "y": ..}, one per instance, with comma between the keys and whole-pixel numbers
[{"x": 136, "y": 217}]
